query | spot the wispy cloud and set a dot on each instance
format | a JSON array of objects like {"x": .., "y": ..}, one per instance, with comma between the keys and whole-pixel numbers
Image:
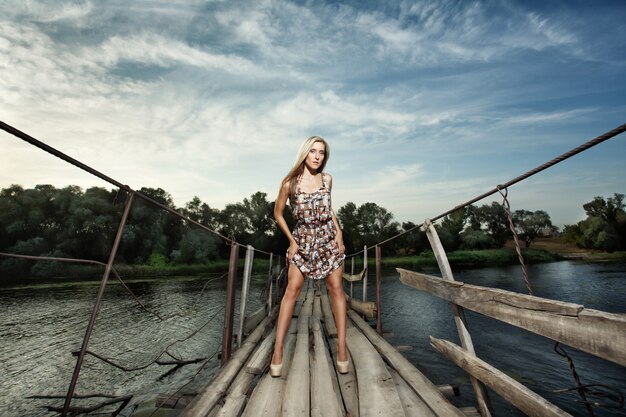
[{"x": 423, "y": 102}]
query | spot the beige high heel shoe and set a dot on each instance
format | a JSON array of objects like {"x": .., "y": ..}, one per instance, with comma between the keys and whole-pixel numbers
[
  {"x": 343, "y": 366},
  {"x": 275, "y": 370}
]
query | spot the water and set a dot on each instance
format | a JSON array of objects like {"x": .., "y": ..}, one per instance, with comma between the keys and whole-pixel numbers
[
  {"x": 41, "y": 325},
  {"x": 530, "y": 359}
]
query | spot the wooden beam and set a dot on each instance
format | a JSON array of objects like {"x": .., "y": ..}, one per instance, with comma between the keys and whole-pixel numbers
[
  {"x": 515, "y": 393},
  {"x": 482, "y": 398},
  {"x": 204, "y": 402},
  {"x": 416, "y": 380},
  {"x": 253, "y": 320},
  {"x": 378, "y": 395},
  {"x": 367, "y": 308},
  {"x": 296, "y": 402},
  {"x": 324, "y": 398},
  {"x": 266, "y": 399},
  {"x": 354, "y": 277},
  {"x": 412, "y": 404},
  {"x": 347, "y": 382},
  {"x": 599, "y": 333}
]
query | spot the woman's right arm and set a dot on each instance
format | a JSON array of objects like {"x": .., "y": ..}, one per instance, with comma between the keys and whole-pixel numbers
[{"x": 279, "y": 208}]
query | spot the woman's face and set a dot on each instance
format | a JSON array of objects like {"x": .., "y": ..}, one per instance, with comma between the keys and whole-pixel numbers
[{"x": 316, "y": 156}]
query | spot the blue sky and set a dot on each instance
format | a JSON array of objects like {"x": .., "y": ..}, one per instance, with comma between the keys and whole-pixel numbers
[{"x": 426, "y": 104}]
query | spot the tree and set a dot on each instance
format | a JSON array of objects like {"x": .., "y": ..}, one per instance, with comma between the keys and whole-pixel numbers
[
  {"x": 605, "y": 225},
  {"x": 450, "y": 229},
  {"x": 414, "y": 241},
  {"x": 197, "y": 246},
  {"x": 348, "y": 219},
  {"x": 367, "y": 224},
  {"x": 529, "y": 224},
  {"x": 605, "y": 209}
]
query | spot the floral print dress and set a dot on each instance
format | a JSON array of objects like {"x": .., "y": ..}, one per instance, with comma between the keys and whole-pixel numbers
[{"x": 318, "y": 254}]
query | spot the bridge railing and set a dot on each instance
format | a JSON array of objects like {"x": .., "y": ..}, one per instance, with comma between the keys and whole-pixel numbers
[
  {"x": 246, "y": 321},
  {"x": 598, "y": 333}
]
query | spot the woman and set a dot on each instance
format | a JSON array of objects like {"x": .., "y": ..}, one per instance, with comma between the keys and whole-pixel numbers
[{"x": 316, "y": 247}]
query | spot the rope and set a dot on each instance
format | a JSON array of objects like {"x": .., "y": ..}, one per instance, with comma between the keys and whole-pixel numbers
[{"x": 507, "y": 209}]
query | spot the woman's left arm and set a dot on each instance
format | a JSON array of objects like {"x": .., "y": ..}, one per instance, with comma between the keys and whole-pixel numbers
[{"x": 338, "y": 233}]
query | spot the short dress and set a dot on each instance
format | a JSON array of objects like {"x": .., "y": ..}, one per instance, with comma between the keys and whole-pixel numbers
[{"x": 318, "y": 254}]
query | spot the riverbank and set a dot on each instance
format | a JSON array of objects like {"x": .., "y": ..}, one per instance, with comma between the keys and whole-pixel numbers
[{"x": 542, "y": 250}]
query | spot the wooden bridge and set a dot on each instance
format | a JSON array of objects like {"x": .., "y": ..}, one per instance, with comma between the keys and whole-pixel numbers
[{"x": 381, "y": 382}]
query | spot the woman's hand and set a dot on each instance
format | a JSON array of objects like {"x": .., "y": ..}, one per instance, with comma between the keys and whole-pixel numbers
[
  {"x": 339, "y": 243},
  {"x": 293, "y": 249}
]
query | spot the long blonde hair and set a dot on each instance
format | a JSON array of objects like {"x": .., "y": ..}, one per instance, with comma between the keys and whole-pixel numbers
[{"x": 298, "y": 166}]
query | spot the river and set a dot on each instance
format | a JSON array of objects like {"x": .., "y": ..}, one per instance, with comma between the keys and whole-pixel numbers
[{"x": 42, "y": 324}]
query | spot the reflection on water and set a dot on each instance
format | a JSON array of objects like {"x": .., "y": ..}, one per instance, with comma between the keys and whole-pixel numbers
[{"x": 41, "y": 326}]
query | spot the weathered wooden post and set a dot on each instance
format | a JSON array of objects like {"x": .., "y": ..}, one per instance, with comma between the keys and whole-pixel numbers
[
  {"x": 379, "y": 319},
  {"x": 484, "y": 405},
  {"x": 270, "y": 303},
  {"x": 229, "y": 311},
  {"x": 351, "y": 273},
  {"x": 247, "y": 273},
  {"x": 365, "y": 276}
]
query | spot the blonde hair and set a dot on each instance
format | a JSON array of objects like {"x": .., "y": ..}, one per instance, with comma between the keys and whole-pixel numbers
[{"x": 298, "y": 166}]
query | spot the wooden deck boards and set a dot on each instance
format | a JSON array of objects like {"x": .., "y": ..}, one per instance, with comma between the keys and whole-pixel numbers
[{"x": 380, "y": 383}]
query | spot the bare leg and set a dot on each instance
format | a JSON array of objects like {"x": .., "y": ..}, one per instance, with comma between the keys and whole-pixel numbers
[
  {"x": 335, "y": 288},
  {"x": 295, "y": 279}
]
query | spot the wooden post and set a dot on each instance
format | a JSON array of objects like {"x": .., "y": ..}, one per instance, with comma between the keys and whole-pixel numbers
[
  {"x": 379, "y": 319},
  {"x": 271, "y": 288},
  {"x": 365, "y": 276},
  {"x": 247, "y": 272},
  {"x": 459, "y": 316},
  {"x": 351, "y": 273},
  {"x": 229, "y": 311}
]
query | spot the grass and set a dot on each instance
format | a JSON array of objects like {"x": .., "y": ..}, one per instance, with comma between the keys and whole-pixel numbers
[
  {"x": 473, "y": 258},
  {"x": 542, "y": 250}
]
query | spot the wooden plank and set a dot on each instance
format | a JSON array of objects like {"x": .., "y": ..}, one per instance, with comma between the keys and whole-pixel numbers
[
  {"x": 354, "y": 277},
  {"x": 470, "y": 411},
  {"x": 515, "y": 393},
  {"x": 482, "y": 398},
  {"x": 204, "y": 402},
  {"x": 329, "y": 320},
  {"x": 261, "y": 357},
  {"x": 266, "y": 399},
  {"x": 378, "y": 395},
  {"x": 416, "y": 380},
  {"x": 324, "y": 398},
  {"x": 317, "y": 315},
  {"x": 596, "y": 332},
  {"x": 295, "y": 403},
  {"x": 347, "y": 382},
  {"x": 235, "y": 400},
  {"x": 412, "y": 404},
  {"x": 253, "y": 320},
  {"x": 247, "y": 273},
  {"x": 368, "y": 308}
]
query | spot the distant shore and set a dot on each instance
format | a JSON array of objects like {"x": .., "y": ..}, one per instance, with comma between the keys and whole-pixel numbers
[{"x": 542, "y": 250}]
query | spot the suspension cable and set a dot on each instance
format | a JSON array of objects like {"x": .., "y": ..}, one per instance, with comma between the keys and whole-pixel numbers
[{"x": 608, "y": 135}]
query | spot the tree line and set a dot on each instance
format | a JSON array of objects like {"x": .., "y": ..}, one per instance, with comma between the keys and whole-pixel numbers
[{"x": 70, "y": 222}]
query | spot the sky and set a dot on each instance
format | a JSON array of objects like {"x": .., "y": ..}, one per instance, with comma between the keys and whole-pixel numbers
[{"x": 425, "y": 104}]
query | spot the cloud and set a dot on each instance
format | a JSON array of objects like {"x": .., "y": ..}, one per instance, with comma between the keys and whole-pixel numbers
[{"x": 423, "y": 103}]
